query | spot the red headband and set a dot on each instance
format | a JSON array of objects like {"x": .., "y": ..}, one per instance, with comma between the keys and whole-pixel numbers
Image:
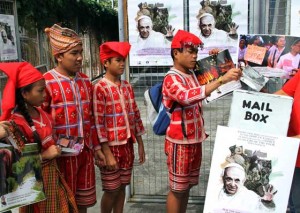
[
  {"x": 114, "y": 49},
  {"x": 183, "y": 38},
  {"x": 19, "y": 74}
]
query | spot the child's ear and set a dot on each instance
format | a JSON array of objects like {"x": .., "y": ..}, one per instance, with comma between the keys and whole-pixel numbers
[
  {"x": 105, "y": 63},
  {"x": 59, "y": 57},
  {"x": 24, "y": 95},
  {"x": 175, "y": 52}
]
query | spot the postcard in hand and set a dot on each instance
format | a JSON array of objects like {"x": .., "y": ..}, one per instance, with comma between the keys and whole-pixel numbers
[
  {"x": 71, "y": 145},
  {"x": 253, "y": 78},
  {"x": 271, "y": 72},
  {"x": 211, "y": 68}
]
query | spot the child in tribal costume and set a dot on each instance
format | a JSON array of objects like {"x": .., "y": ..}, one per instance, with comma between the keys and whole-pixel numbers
[
  {"x": 29, "y": 86},
  {"x": 69, "y": 101},
  {"x": 185, "y": 134},
  {"x": 118, "y": 123}
]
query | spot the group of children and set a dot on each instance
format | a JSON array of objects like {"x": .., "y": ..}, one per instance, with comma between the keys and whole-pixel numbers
[{"x": 62, "y": 104}]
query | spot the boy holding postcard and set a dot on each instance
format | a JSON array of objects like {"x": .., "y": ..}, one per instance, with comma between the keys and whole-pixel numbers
[{"x": 185, "y": 133}]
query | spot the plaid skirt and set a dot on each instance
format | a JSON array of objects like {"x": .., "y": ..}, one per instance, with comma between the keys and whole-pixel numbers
[{"x": 59, "y": 197}]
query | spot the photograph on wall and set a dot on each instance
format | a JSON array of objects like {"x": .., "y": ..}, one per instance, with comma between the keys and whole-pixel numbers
[
  {"x": 152, "y": 25},
  {"x": 212, "y": 67},
  {"x": 218, "y": 23},
  {"x": 272, "y": 55},
  {"x": 8, "y": 46},
  {"x": 249, "y": 173}
]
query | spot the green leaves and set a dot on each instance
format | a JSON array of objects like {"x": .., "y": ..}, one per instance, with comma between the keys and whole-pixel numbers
[{"x": 81, "y": 15}]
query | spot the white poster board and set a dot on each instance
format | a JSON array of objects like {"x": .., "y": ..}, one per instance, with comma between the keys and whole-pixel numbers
[
  {"x": 8, "y": 46},
  {"x": 260, "y": 112},
  {"x": 153, "y": 49},
  {"x": 264, "y": 158},
  {"x": 219, "y": 37}
]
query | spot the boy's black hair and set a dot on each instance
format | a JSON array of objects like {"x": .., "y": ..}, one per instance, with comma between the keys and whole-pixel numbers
[
  {"x": 296, "y": 42},
  {"x": 172, "y": 51}
]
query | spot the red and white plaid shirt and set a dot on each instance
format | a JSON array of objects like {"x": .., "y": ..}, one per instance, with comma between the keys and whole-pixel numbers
[
  {"x": 117, "y": 116},
  {"x": 186, "y": 91},
  {"x": 69, "y": 101}
]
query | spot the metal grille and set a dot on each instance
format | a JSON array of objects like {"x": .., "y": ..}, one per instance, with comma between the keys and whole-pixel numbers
[
  {"x": 6, "y": 8},
  {"x": 278, "y": 17},
  {"x": 150, "y": 181}
]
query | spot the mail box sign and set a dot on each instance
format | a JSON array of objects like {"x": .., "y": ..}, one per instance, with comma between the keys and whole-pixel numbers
[
  {"x": 260, "y": 112},
  {"x": 257, "y": 116}
]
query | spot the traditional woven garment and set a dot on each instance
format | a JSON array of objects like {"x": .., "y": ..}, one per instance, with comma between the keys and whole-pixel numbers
[
  {"x": 117, "y": 117},
  {"x": 59, "y": 196},
  {"x": 69, "y": 101},
  {"x": 62, "y": 39},
  {"x": 188, "y": 95}
]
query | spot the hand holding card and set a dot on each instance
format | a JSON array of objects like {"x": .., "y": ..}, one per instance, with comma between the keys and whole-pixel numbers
[{"x": 71, "y": 145}]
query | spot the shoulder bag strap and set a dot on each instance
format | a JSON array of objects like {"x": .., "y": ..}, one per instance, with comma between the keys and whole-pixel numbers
[{"x": 174, "y": 104}]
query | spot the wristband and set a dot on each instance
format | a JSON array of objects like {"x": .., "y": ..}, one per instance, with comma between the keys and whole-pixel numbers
[{"x": 220, "y": 80}]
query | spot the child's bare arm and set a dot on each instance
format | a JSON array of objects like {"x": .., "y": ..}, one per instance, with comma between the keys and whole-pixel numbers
[
  {"x": 52, "y": 152},
  {"x": 280, "y": 92},
  {"x": 233, "y": 74},
  {"x": 141, "y": 150},
  {"x": 100, "y": 160},
  {"x": 4, "y": 129},
  {"x": 111, "y": 163}
]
